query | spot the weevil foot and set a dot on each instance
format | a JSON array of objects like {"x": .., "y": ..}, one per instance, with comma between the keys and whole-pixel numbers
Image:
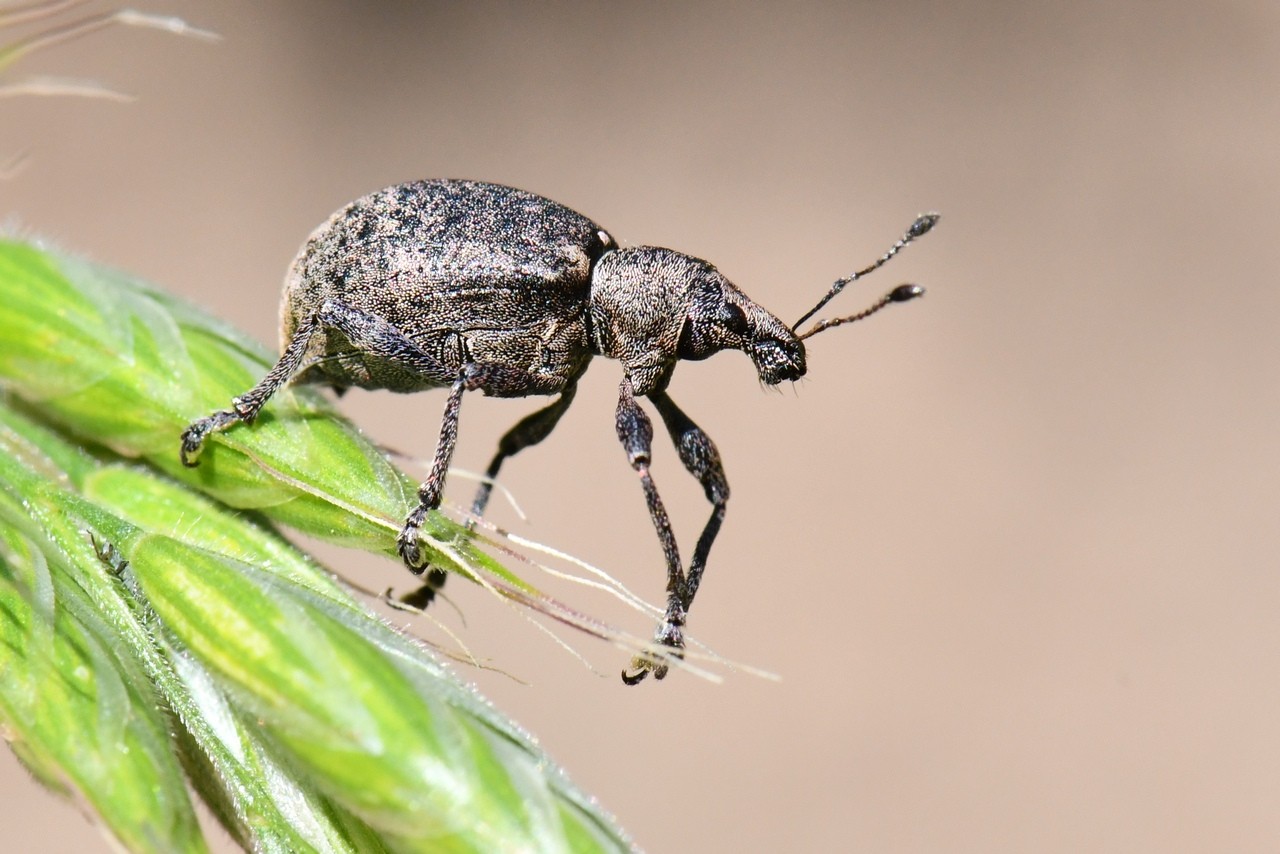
[
  {"x": 670, "y": 637},
  {"x": 193, "y": 437},
  {"x": 407, "y": 542},
  {"x": 640, "y": 668},
  {"x": 425, "y": 594}
]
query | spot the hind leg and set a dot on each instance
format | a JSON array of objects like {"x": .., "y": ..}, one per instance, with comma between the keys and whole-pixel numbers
[{"x": 365, "y": 333}]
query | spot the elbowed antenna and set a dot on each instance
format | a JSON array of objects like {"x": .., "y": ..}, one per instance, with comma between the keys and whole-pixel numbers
[
  {"x": 901, "y": 293},
  {"x": 919, "y": 228}
]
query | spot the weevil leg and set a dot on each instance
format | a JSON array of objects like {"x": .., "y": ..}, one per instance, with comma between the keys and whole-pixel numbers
[
  {"x": 431, "y": 490},
  {"x": 635, "y": 432},
  {"x": 700, "y": 457},
  {"x": 364, "y": 332},
  {"x": 246, "y": 406},
  {"x": 424, "y": 594},
  {"x": 530, "y": 430}
]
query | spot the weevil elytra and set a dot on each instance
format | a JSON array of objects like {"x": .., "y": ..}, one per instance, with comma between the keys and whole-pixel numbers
[{"x": 473, "y": 286}]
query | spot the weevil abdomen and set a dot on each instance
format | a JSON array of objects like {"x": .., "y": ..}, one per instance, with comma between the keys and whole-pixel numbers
[{"x": 468, "y": 272}]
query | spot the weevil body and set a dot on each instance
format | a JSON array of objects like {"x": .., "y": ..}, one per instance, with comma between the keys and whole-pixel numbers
[{"x": 481, "y": 287}]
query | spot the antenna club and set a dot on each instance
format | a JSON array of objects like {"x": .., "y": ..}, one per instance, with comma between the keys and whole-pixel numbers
[
  {"x": 902, "y": 293},
  {"x": 923, "y": 224}
]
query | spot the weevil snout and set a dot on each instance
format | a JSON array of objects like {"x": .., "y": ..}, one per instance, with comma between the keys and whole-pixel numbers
[
  {"x": 779, "y": 358},
  {"x": 739, "y": 323}
]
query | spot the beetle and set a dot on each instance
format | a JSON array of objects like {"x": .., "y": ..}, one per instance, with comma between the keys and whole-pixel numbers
[{"x": 473, "y": 286}]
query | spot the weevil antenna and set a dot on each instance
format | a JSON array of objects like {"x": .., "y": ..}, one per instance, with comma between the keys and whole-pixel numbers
[
  {"x": 901, "y": 293},
  {"x": 919, "y": 228}
]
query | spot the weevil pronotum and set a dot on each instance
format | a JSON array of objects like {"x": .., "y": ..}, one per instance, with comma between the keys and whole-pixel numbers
[{"x": 473, "y": 286}]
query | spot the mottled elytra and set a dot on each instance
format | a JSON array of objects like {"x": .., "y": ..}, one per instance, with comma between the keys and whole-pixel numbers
[{"x": 473, "y": 286}]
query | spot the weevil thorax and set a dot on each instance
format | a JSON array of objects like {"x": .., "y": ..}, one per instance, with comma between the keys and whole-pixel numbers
[{"x": 652, "y": 307}]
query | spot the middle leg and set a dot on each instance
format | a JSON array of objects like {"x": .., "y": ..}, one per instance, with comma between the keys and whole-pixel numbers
[
  {"x": 432, "y": 489},
  {"x": 530, "y": 430}
]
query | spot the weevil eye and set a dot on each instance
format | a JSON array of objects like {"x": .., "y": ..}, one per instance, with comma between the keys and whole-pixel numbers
[{"x": 733, "y": 319}]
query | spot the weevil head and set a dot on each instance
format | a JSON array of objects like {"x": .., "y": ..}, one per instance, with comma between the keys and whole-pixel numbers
[{"x": 651, "y": 307}]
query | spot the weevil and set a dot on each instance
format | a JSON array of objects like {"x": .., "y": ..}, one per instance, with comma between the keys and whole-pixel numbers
[{"x": 472, "y": 286}]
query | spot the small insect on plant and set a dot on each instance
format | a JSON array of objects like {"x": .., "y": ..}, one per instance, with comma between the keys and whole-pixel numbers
[{"x": 479, "y": 287}]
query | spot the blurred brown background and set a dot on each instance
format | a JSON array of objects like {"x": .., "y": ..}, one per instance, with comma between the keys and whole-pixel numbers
[{"x": 1010, "y": 548}]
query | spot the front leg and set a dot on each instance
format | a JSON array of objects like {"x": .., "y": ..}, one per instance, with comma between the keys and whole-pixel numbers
[
  {"x": 635, "y": 431},
  {"x": 702, "y": 460}
]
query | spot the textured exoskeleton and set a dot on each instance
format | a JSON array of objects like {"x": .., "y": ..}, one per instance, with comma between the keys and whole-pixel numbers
[{"x": 476, "y": 286}]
